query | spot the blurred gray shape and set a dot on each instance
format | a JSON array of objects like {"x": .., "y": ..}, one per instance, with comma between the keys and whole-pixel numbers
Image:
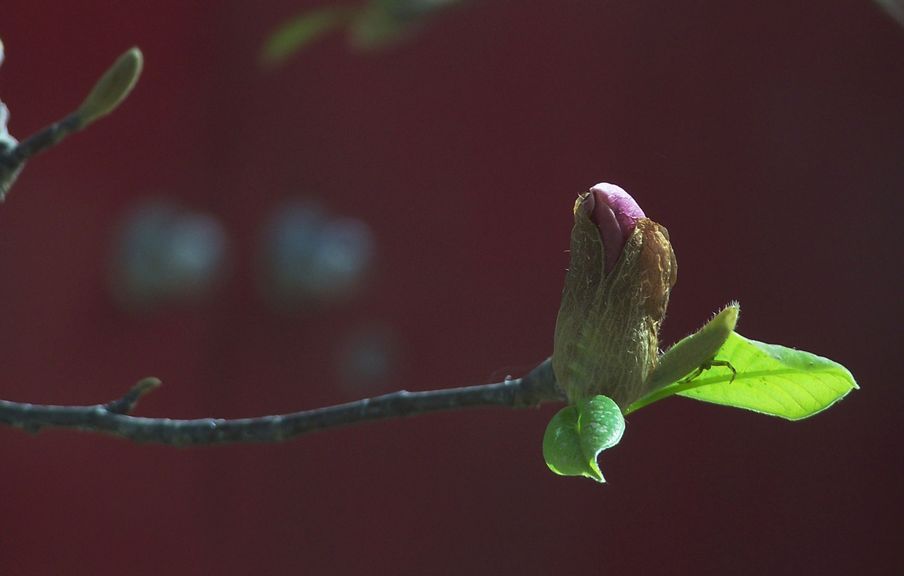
[
  {"x": 310, "y": 258},
  {"x": 165, "y": 254},
  {"x": 367, "y": 360},
  {"x": 894, "y": 8}
]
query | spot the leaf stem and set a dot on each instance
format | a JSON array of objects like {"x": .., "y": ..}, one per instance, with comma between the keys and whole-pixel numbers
[{"x": 671, "y": 390}]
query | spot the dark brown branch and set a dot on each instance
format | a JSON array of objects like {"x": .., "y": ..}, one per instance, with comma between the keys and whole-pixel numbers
[
  {"x": 47, "y": 138},
  {"x": 112, "y": 418},
  {"x": 13, "y": 158}
]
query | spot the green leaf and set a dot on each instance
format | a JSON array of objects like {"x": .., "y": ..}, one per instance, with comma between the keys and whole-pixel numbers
[
  {"x": 294, "y": 34},
  {"x": 112, "y": 88},
  {"x": 577, "y": 434},
  {"x": 769, "y": 379}
]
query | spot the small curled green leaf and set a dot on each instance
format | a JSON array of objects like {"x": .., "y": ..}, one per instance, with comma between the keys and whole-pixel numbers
[{"x": 577, "y": 434}]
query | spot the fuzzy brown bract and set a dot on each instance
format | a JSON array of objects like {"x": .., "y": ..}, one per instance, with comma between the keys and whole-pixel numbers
[{"x": 607, "y": 330}]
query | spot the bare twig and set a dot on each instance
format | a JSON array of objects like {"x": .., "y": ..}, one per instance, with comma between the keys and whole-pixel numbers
[{"x": 112, "y": 418}]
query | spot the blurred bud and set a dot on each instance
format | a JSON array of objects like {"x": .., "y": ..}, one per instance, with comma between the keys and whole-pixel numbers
[
  {"x": 10, "y": 165},
  {"x": 107, "y": 94},
  {"x": 617, "y": 289},
  {"x": 310, "y": 258},
  {"x": 112, "y": 88},
  {"x": 7, "y": 142},
  {"x": 168, "y": 255}
]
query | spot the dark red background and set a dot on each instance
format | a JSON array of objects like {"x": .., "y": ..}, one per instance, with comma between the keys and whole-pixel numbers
[{"x": 767, "y": 136}]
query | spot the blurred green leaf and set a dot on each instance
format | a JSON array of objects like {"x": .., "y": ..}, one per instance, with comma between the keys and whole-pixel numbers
[
  {"x": 298, "y": 32},
  {"x": 381, "y": 23},
  {"x": 577, "y": 434},
  {"x": 370, "y": 25}
]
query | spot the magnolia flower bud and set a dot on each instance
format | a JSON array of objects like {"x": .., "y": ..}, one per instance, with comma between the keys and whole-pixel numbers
[
  {"x": 616, "y": 293},
  {"x": 615, "y": 214}
]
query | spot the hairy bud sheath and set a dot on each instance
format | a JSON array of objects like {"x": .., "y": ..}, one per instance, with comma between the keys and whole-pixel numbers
[{"x": 616, "y": 293}]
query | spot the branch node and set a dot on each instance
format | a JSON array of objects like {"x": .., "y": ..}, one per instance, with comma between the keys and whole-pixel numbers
[
  {"x": 127, "y": 403},
  {"x": 538, "y": 386}
]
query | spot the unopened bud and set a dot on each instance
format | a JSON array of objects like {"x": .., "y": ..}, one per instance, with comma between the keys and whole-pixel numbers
[
  {"x": 615, "y": 214},
  {"x": 617, "y": 289}
]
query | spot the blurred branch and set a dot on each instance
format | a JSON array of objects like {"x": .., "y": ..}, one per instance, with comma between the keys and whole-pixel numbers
[
  {"x": 113, "y": 418},
  {"x": 296, "y": 33},
  {"x": 108, "y": 93},
  {"x": 369, "y": 25},
  {"x": 894, "y": 8}
]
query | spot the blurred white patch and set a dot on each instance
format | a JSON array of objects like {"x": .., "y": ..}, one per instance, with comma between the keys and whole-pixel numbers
[
  {"x": 165, "y": 254},
  {"x": 310, "y": 258},
  {"x": 367, "y": 361},
  {"x": 894, "y": 8}
]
